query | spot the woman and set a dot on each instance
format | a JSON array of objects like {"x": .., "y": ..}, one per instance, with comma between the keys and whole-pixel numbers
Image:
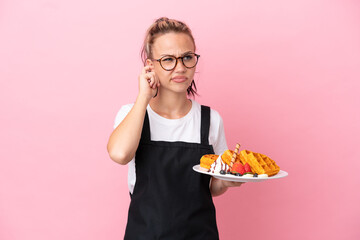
[{"x": 162, "y": 136}]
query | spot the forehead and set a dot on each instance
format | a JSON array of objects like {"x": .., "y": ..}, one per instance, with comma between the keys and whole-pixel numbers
[{"x": 172, "y": 44}]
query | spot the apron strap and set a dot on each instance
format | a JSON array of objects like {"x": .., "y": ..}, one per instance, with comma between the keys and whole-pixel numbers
[
  {"x": 205, "y": 124},
  {"x": 145, "y": 134}
]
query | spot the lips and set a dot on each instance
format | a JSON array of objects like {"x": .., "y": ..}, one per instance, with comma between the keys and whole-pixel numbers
[{"x": 179, "y": 79}]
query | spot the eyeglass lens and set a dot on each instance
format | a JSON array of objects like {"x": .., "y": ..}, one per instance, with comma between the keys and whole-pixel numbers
[{"x": 169, "y": 62}]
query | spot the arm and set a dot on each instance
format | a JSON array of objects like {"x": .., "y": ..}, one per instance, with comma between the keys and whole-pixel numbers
[
  {"x": 218, "y": 187},
  {"x": 125, "y": 139}
]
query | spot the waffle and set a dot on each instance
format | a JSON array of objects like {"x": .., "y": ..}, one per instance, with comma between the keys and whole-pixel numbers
[
  {"x": 207, "y": 160},
  {"x": 259, "y": 163},
  {"x": 227, "y": 156}
]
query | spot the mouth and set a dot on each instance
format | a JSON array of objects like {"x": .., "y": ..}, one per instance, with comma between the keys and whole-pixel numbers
[{"x": 179, "y": 79}]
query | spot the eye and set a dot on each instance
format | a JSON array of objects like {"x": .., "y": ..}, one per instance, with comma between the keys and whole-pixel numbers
[
  {"x": 188, "y": 57},
  {"x": 168, "y": 59}
]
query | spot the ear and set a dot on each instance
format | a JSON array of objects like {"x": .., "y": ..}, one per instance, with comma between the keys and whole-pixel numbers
[{"x": 149, "y": 62}]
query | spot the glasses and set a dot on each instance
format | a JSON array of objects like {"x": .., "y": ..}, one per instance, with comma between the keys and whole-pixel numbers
[{"x": 169, "y": 62}]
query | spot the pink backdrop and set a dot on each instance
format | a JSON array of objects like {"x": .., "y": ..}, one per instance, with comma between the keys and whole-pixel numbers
[{"x": 283, "y": 74}]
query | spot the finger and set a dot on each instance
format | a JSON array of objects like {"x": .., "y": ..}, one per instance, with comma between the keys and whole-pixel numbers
[
  {"x": 151, "y": 80},
  {"x": 150, "y": 68},
  {"x": 155, "y": 85},
  {"x": 156, "y": 81},
  {"x": 237, "y": 184},
  {"x": 148, "y": 75},
  {"x": 234, "y": 184},
  {"x": 146, "y": 69}
]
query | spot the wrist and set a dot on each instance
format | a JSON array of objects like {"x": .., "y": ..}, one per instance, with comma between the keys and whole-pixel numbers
[{"x": 142, "y": 100}]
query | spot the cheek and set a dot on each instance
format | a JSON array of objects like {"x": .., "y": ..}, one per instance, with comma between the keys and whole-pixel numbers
[
  {"x": 163, "y": 75},
  {"x": 192, "y": 73}
]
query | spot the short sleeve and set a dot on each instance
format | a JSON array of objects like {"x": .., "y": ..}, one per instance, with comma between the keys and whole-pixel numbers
[
  {"x": 124, "y": 110},
  {"x": 217, "y": 133}
]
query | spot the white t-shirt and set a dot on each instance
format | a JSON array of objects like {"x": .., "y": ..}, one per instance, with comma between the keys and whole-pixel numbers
[{"x": 185, "y": 129}]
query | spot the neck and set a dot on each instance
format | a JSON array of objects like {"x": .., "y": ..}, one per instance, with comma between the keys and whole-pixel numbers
[{"x": 171, "y": 105}]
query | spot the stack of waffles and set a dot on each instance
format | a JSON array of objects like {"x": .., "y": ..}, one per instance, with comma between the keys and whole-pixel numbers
[{"x": 259, "y": 163}]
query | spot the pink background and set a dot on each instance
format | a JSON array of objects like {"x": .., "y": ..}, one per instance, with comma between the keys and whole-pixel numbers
[{"x": 283, "y": 74}]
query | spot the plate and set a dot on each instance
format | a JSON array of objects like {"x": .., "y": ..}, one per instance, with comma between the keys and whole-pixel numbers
[{"x": 229, "y": 177}]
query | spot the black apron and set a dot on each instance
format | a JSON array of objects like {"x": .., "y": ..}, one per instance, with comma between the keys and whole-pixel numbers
[{"x": 170, "y": 200}]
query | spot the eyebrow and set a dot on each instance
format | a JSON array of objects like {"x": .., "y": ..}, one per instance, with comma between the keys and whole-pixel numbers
[{"x": 163, "y": 55}]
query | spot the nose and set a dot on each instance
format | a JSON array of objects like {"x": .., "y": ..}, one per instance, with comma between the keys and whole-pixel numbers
[{"x": 180, "y": 66}]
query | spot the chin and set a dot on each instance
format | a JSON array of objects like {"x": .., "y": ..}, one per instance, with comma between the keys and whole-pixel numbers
[{"x": 178, "y": 89}]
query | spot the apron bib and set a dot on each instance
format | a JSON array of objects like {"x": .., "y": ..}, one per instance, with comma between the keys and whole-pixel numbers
[{"x": 170, "y": 200}]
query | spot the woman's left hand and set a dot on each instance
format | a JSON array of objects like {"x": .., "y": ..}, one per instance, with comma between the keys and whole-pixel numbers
[
  {"x": 232, "y": 184},
  {"x": 219, "y": 186}
]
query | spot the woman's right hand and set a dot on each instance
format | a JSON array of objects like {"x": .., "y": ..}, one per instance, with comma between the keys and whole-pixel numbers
[{"x": 148, "y": 83}]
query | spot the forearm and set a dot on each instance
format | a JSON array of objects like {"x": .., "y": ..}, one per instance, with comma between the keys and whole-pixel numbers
[{"x": 124, "y": 140}]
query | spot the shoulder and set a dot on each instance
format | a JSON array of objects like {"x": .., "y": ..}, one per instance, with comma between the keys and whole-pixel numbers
[
  {"x": 125, "y": 109},
  {"x": 215, "y": 118},
  {"x": 121, "y": 114}
]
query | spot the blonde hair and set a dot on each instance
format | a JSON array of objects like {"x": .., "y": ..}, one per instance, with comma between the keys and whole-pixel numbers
[{"x": 162, "y": 26}]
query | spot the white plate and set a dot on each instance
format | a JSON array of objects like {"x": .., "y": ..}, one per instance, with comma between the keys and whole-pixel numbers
[{"x": 229, "y": 177}]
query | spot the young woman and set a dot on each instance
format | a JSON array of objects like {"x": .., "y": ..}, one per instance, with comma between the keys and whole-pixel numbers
[{"x": 162, "y": 136}]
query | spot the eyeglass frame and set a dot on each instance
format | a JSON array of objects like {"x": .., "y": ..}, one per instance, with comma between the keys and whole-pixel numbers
[{"x": 176, "y": 59}]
